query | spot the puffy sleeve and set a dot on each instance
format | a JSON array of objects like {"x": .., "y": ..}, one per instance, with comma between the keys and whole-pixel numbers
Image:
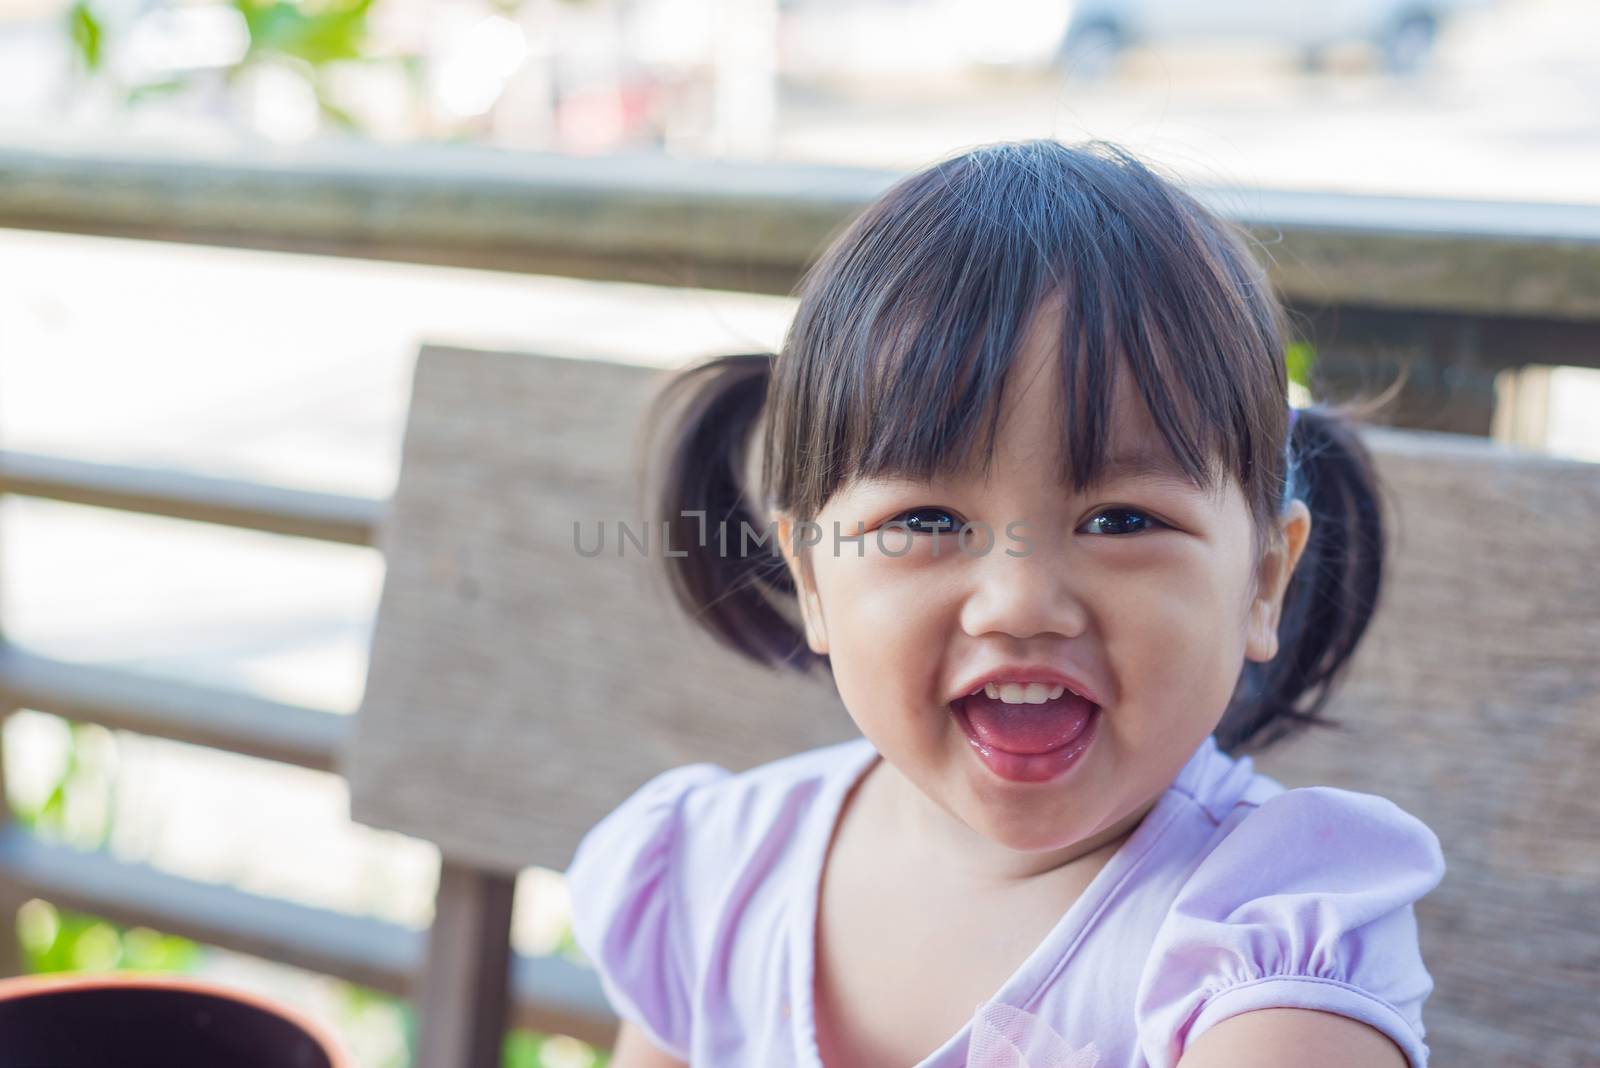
[
  {"x": 627, "y": 905},
  {"x": 1306, "y": 903}
]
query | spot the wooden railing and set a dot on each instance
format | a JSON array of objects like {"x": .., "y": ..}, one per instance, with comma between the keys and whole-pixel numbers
[
  {"x": 553, "y": 995},
  {"x": 1459, "y": 293}
]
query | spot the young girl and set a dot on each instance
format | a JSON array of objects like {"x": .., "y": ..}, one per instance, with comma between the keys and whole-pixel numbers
[{"x": 1046, "y": 516}]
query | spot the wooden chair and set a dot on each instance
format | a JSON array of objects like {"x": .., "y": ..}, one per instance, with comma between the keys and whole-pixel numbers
[{"x": 519, "y": 690}]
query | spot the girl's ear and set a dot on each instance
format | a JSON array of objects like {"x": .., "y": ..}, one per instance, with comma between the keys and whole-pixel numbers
[
  {"x": 810, "y": 603},
  {"x": 1272, "y": 579}
]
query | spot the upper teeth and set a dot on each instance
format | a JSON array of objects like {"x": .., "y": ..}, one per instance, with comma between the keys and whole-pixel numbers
[{"x": 1022, "y": 693}]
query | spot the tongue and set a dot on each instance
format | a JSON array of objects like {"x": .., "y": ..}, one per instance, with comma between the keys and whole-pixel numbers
[{"x": 1028, "y": 729}]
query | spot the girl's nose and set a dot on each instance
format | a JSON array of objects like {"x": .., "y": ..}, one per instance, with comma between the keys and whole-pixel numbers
[{"x": 1023, "y": 596}]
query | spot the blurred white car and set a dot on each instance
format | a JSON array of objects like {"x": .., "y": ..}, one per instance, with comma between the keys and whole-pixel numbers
[
  {"x": 888, "y": 38},
  {"x": 1402, "y": 31}
]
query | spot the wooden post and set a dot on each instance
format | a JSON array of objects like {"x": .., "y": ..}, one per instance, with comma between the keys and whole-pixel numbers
[
  {"x": 463, "y": 1001},
  {"x": 1522, "y": 415}
]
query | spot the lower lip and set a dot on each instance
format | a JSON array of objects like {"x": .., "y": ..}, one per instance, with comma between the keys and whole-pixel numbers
[{"x": 1031, "y": 767}]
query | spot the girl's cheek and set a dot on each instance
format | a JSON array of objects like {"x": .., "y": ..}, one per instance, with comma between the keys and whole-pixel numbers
[
  {"x": 1173, "y": 647},
  {"x": 891, "y": 547},
  {"x": 865, "y": 593}
]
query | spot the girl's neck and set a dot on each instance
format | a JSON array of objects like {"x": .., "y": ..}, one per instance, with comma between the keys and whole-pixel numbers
[{"x": 914, "y": 823}]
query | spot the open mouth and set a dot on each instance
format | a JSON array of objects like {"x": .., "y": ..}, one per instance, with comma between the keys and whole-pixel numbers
[{"x": 1026, "y": 728}]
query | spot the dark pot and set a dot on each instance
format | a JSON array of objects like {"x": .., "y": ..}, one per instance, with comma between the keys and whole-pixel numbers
[{"x": 135, "y": 1020}]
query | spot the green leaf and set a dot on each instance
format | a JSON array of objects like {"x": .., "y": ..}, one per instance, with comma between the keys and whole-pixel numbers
[
  {"x": 147, "y": 950},
  {"x": 334, "y": 113},
  {"x": 61, "y": 955},
  {"x": 88, "y": 35},
  {"x": 140, "y": 93},
  {"x": 1300, "y": 356},
  {"x": 336, "y": 30},
  {"x": 522, "y": 1050}
]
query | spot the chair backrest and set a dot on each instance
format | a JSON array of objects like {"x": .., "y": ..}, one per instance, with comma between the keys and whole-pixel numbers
[{"x": 519, "y": 689}]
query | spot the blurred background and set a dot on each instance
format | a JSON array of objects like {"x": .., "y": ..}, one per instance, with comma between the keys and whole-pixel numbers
[
  {"x": 1490, "y": 98},
  {"x": 255, "y": 356}
]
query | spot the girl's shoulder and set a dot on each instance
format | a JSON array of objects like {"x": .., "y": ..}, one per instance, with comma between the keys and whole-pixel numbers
[
  {"x": 650, "y": 881},
  {"x": 1297, "y": 897},
  {"x": 704, "y": 808},
  {"x": 1332, "y": 831},
  {"x": 1230, "y": 790}
]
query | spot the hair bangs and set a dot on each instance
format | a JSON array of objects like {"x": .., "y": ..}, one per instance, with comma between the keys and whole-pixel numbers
[
  {"x": 934, "y": 384},
  {"x": 1119, "y": 318}
]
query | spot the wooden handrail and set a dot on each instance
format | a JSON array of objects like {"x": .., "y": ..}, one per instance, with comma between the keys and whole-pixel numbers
[
  {"x": 552, "y": 994},
  {"x": 748, "y": 225},
  {"x": 181, "y": 495},
  {"x": 168, "y": 708}
]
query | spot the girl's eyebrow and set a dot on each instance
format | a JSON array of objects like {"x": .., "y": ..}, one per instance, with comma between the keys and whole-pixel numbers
[
  {"x": 1155, "y": 465},
  {"x": 1150, "y": 464}
]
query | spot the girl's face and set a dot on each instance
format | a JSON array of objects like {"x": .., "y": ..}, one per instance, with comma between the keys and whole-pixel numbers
[{"x": 1144, "y": 589}]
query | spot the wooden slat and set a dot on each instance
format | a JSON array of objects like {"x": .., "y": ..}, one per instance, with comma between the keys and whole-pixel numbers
[
  {"x": 180, "y": 495},
  {"x": 361, "y": 950},
  {"x": 746, "y": 225},
  {"x": 1467, "y": 256},
  {"x": 167, "y": 708},
  {"x": 551, "y": 994}
]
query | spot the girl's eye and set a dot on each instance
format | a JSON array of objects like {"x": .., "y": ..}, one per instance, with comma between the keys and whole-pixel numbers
[
  {"x": 928, "y": 521},
  {"x": 1121, "y": 521},
  {"x": 1116, "y": 522}
]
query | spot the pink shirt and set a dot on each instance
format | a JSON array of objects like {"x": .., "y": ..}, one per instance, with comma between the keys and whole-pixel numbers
[{"x": 696, "y": 901}]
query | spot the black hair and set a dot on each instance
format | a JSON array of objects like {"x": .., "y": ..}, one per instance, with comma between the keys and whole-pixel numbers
[{"x": 919, "y": 306}]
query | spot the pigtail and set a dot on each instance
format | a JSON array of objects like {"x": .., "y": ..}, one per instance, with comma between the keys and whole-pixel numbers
[
  {"x": 1333, "y": 593},
  {"x": 730, "y": 578}
]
